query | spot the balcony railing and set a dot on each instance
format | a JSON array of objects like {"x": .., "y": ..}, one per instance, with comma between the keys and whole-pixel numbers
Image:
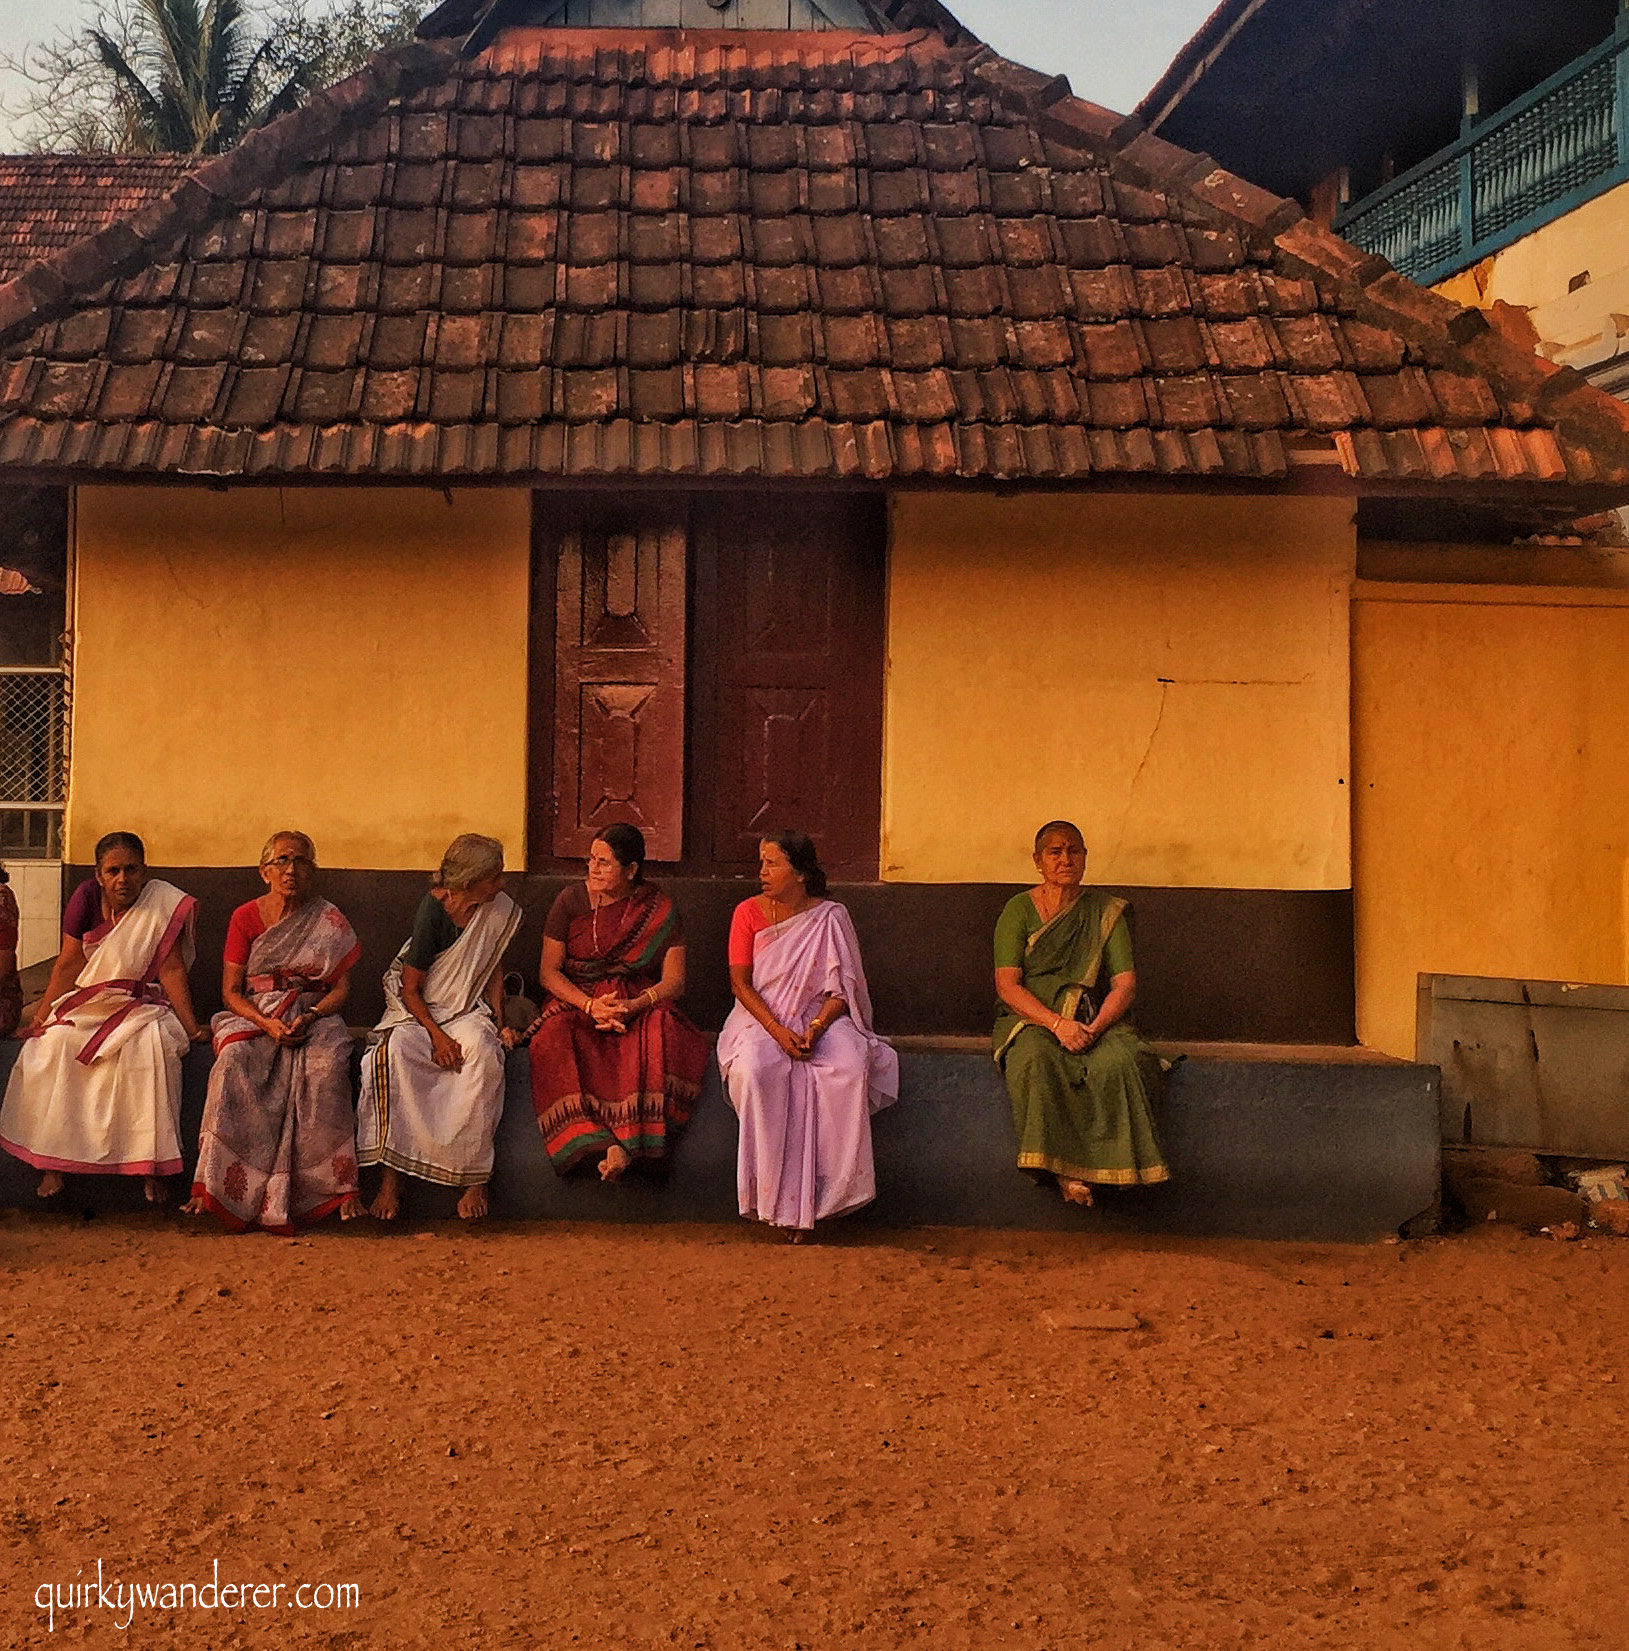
[{"x": 1533, "y": 161}]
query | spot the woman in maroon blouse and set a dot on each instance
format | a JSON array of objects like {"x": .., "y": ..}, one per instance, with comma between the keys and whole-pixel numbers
[{"x": 616, "y": 1067}]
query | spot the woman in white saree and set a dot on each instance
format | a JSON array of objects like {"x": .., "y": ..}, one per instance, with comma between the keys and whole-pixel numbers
[
  {"x": 97, "y": 1087},
  {"x": 802, "y": 1066},
  {"x": 433, "y": 1076}
]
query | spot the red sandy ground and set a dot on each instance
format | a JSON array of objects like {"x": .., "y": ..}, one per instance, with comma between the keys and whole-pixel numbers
[{"x": 555, "y": 1436}]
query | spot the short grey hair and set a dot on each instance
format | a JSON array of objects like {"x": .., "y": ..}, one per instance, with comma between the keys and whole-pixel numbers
[
  {"x": 269, "y": 852},
  {"x": 469, "y": 859}
]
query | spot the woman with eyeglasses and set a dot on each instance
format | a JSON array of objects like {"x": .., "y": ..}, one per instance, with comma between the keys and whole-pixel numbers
[
  {"x": 278, "y": 1145},
  {"x": 616, "y": 1067},
  {"x": 97, "y": 1087}
]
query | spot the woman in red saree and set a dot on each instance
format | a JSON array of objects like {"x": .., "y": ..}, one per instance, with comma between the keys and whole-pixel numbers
[{"x": 615, "y": 1067}]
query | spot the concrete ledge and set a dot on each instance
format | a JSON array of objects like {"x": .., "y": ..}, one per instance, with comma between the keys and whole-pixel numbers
[{"x": 1282, "y": 1146}]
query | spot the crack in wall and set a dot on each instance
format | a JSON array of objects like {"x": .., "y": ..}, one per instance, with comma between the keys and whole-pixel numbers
[{"x": 1166, "y": 684}]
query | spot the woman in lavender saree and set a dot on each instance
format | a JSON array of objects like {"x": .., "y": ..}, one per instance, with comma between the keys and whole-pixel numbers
[
  {"x": 802, "y": 1066},
  {"x": 278, "y": 1145},
  {"x": 97, "y": 1087}
]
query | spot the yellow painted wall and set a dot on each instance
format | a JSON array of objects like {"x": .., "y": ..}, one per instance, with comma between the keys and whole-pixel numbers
[
  {"x": 1576, "y": 327},
  {"x": 1491, "y": 814},
  {"x": 1171, "y": 673},
  {"x": 1537, "y": 268},
  {"x": 351, "y": 663}
]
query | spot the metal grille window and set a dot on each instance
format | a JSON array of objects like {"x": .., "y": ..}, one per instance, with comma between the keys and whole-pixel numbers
[{"x": 33, "y": 759}]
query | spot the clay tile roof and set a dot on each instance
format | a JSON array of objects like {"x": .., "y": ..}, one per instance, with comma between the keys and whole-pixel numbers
[
  {"x": 47, "y": 202},
  {"x": 1209, "y": 40},
  {"x": 857, "y": 256}
]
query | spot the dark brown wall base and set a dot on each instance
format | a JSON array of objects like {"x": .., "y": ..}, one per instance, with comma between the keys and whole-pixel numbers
[{"x": 1246, "y": 965}]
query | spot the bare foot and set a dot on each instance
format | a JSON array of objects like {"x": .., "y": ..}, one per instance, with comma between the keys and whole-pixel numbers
[
  {"x": 795, "y": 1235},
  {"x": 472, "y": 1206},
  {"x": 614, "y": 1163},
  {"x": 193, "y": 1206},
  {"x": 1075, "y": 1192},
  {"x": 51, "y": 1183},
  {"x": 352, "y": 1208},
  {"x": 156, "y": 1190},
  {"x": 388, "y": 1200}
]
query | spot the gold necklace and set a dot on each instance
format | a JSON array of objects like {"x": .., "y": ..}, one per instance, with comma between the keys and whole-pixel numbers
[{"x": 774, "y": 906}]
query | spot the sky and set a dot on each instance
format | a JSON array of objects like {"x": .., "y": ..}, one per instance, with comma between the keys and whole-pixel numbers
[{"x": 1112, "y": 50}]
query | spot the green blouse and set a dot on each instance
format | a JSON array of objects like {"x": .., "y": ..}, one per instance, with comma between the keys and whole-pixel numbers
[{"x": 1020, "y": 920}]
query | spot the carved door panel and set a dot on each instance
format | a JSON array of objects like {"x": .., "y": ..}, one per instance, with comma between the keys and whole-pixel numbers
[
  {"x": 619, "y": 675},
  {"x": 795, "y": 593}
]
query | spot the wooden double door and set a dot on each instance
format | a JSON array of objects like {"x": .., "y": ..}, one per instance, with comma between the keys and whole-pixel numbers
[{"x": 708, "y": 667}]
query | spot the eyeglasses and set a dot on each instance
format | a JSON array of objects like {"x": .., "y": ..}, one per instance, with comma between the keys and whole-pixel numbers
[{"x": 287, "y": 862}]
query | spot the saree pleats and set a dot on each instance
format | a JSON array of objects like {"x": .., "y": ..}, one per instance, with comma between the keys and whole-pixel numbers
[
  {"x": 635, "y": 1089},
  {"x": 1087, "y": 1117},
  {"x": 278, "y": 1144}
]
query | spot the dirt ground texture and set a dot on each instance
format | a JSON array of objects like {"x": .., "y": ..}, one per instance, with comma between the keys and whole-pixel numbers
[{"x": 609, "y": 1436}]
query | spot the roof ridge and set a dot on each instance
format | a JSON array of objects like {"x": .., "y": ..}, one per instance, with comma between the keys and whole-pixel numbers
[
  {"x": 44, "y": 291},
  {"x": 1194, "y": 57},
  {"x": 459, "y": 19},
  {"x": 1377, "y": 292}
]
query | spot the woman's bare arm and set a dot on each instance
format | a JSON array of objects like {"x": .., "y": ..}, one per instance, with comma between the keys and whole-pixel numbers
[
  {"x": 603, "y": 1011},
  {"x": 507, "y": 1036},
  {"x": 172, "y": 977},
  {"x": 747, "y": 996},
  {"x": 1010, "y": 988},
  {"x": 830, "y": 1011},
  {"x": 1074, "y": 1035},
  {"x": 238, "y": 1001},
  {"x": 446, "y": 1052},
  {"x": 552, "y": 973},
  {"x": 669, "y": 989},
  {"x": 1117, "y": 1005}
]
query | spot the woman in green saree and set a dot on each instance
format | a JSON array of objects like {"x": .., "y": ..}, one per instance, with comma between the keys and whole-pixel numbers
[{"x": 1081, "y": 1080}]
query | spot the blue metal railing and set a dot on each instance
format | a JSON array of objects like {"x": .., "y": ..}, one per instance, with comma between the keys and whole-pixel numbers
[{"x": 1537, "y": 158}]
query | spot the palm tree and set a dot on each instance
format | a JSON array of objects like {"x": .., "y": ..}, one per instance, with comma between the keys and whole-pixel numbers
[{"x": 193, "y": 80}]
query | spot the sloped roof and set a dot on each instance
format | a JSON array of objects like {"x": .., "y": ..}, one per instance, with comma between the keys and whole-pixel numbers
[
  {"x": 47, "y": 202},
  {"x": 1208, "y": 41},
  {"x": 455, "y": 19},
  {"x": 635, "y": 253}
]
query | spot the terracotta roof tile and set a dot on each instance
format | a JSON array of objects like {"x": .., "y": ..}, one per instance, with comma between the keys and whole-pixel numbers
[
  {"x": 819, "y": 256},
  {"x": 49, "y": 202}
]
